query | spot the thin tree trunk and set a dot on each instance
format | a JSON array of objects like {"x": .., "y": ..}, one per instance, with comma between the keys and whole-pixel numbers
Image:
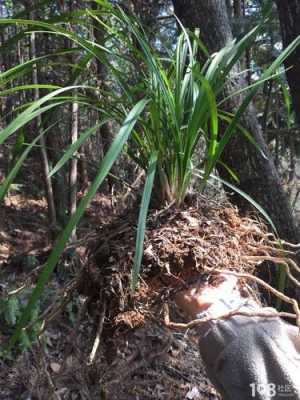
[
  {"x": 248, "y": 50},
  {"x": 268, "y": 93},
  {"x": 229, "y": 8},
  {"x": 73, "y": 172},
  {"x": 43, "y": 150},
  {"x": 106, "y": 129},
  {"x": 237, "y": 8},
  {"x": 74, "y": 162},
  {"x": 289, "y": 16},
  {"x": 258, "y": 175},
  {"x": 7, "y": 101},
  {"x": 83, "y": 172}
]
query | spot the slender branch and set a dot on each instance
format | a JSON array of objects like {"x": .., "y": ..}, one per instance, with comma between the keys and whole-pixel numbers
[{"x": 98, "y": 335}]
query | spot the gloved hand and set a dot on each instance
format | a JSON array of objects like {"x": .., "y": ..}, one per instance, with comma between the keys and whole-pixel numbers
[{"x": 245, "y": 357}]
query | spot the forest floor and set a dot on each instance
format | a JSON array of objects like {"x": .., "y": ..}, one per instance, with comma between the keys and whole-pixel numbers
[
  {"x": 148, "y": 362},
  {"x": 99, "y": 340}
]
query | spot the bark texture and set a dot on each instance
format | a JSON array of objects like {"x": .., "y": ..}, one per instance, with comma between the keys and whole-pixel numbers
[
  {"x": 258, "y": 175},
  {"x": 43, "y": 148},
  {"x": 101, "y": 75},
  {"x": 289, "y": 16}
]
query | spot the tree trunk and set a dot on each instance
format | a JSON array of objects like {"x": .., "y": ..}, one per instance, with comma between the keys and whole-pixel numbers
[
  {"x": 258, "y": 176},
  {"x": 101, "y": 75},
  {"x": 74, "y": 164},
  {"x": 73, "y": 171},
  {"x": 229, "y": 8},
  {"x": 237, "y": 8},
  {"x": 289, "y": 16},
  {"x": 43, "y": 150}
]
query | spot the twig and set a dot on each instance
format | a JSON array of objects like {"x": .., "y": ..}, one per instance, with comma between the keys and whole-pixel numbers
[
  {"x": 165, "y": 209},
  {"x": 98, "y": 335},
  {"x": 133, "y": 186},
  {"x": 16, "y": 291}
]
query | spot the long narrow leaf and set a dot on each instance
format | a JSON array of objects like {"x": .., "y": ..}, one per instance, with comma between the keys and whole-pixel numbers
[
  {"x": 139, "y": 248},
  {"x": 27, "y": 87},
  {"x": 200, "y": 174},
  {"x": 75, "y": 146},
  {"x": 103, "y": 170},
  {"x": 4, "y": 187},
  {"x": 230, "y": 130},
  {"x": 30, "y": 113}
]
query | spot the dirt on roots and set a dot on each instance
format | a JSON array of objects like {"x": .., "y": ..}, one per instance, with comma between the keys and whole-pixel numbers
[{"x": 181, "y": 246}]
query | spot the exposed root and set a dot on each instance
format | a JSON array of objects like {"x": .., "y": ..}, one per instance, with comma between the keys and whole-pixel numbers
[
  {"x": 284, "y": 243},
  {"x": 259, "y": 281},
  {"x": 286, "y": 262},
  {"x": 181, "y": 247},
  {"x": 197, "y": 322},
  {"x": 270, "y": 249}
]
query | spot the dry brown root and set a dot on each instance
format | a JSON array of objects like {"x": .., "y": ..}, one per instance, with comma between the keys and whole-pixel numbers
[
  {"x": 268, "y": 248},
  {"x": 283, "y": 243},
  {"x": 197, "y": 322},
  {"x": 281, "y": 296},
  {"x": 285, "y": 262}
]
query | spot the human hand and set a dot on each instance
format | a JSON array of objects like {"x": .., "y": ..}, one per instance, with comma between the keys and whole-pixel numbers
[{"x": 199, "y": 298}]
